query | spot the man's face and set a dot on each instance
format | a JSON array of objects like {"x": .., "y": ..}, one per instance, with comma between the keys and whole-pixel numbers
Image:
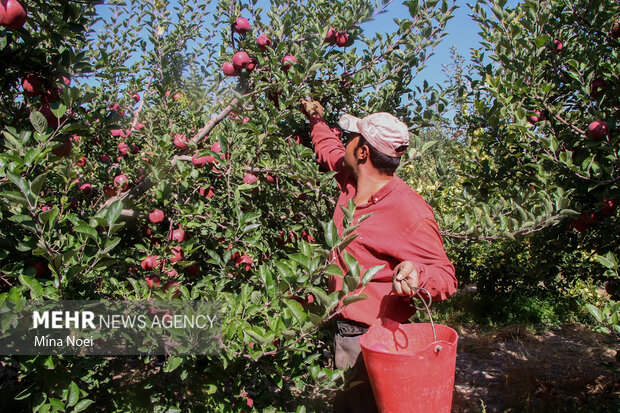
[{"x": 350, "y": 159}]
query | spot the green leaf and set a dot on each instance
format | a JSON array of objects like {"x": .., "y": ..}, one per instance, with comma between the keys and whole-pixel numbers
[
  {"x": 595, "y": 312},
  {"x": 354, "y": 298},
  {"x": 333, "y": 269},
  {"x": 39, "y": 123},
  {"x": 58, "y": 109},
  {"x": 83, "y": 405},
  {"x": 173, "y": 363},
  {"x": 32, "y": 284},
  {"x": 74, "y": 394},
  {"x": 372, "y": 271},
  {"x": 352, "y": 264},
  {"x": 331, "y": 234},
  {"x": 114, "y": 211},
  {"x": 85, "y": 229},
  {"x": 297, "y": 310}
]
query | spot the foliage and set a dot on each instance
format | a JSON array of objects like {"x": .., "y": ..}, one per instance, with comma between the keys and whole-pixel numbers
[{"x": 149, "y": 122}]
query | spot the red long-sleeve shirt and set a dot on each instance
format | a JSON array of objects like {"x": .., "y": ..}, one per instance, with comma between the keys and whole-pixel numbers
[{"x": 402, "y": 228}]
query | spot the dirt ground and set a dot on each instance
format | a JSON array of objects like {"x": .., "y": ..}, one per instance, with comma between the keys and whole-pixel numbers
[{"x": 553, "y": 370}]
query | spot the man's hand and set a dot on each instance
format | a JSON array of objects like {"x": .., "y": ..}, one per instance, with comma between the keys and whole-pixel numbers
[
  {"x": 405, "y": 278},
  {"x": 311, "y": 108}
]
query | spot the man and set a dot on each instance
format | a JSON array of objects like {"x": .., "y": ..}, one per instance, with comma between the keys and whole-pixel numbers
[{"x": 402, "y": 234}]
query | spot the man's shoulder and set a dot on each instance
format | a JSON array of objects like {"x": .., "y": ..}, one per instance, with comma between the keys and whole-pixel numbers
[{"x": 409, "y": 201}]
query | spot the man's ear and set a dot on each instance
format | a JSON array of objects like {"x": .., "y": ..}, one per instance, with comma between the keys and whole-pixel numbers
[{"x": 362, "y": 153}]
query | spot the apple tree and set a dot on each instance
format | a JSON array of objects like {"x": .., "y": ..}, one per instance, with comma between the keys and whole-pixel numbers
[{"x": 176, "y": 165}]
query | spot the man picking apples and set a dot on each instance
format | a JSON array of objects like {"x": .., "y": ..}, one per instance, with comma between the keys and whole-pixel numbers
[{"x": 402, "y": 234}]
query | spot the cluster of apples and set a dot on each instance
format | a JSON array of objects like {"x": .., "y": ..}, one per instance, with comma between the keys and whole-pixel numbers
[
  {"x": 336, "y": 37},
  {"x": 12, "y": 14},
  {"x": 242, "y": 60}
]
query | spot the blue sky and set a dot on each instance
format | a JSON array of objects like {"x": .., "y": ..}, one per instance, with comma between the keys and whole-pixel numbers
[{"x": 462, "y": 33}]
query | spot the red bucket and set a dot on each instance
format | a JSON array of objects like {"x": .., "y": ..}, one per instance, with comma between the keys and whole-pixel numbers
[{"x": 409, "y": 370}]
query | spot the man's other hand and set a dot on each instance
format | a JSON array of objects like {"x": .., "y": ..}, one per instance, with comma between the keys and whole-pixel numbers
[
  {"x": 311, "y": 108},
  {"x": 405, "y": 278}
]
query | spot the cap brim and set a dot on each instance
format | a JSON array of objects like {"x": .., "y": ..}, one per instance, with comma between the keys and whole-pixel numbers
[{"x": 349, "y": 123}]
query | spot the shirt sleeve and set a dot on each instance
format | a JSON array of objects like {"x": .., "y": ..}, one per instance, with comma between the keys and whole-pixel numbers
[
  {"x": 423, "y": 246},
  {"x": 328, "y": 148}
]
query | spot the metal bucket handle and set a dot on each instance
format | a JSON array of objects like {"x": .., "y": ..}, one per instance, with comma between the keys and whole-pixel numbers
[{"x": 416, "y": 292}]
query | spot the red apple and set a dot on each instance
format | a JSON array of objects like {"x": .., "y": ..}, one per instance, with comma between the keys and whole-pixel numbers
[
  {"x": 136, "y": 97},
  {"x": 597, "y": 87},
  {"x": 534, "y": 119},
  {"x": 64, "y": 149},
  {"x": 52, "y": 120},
  {"x": 12, "y": 14},
  {"x": 33, "y": 85},
  {"x": 241, "y": 25},
  {"x": 207, "y": 192},
  {"x": 156, "y": 216},
  {"x": 598, "y": 129},
  {"x": 331, "y": 36},
  {"x": 118, "y": 133},
  {"x": 177, "y": 254},
  {"x": 140, "y": 126},
  {"x": 121, "y": 181},
  {"x": 178, "y": 235},
  {"x": 123, "y": 148},
  {"x": 177, "y": 96},
  {"x": 193, "y": 270},
  {"x": 241, "y": 60},
  {"x": 263, "y": 42},
  {"x": 249, "y": 178},
  {"x": 199, "y": 161},
  {"x": 216, "y": 147},
  {"x": 615, "y": 31},
  {"x": 150, "y": 262},
  {"x": 229, "y": 69},
  {"x": 180, "y": 141},
  {"x": 270, "y": 179},
  {"x": 287, "y": 61},
  {"x": 81, "y": 161},
  {"x": 251, "y": 64},
  {"x": 342, "y": 38},
  {"x": 109, "y": 190},
  {"x": 171, "y": 284},
  {"x": 558, "y": 45},
  {"x": 609, "y": 206},
  {"x": 105, "y": 158},
  {"x": 152, "y": 280},
  {"x": 86, "y": 188}
]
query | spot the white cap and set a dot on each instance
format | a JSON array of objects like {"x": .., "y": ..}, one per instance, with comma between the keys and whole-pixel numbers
[{"x": 383, "y": 131}]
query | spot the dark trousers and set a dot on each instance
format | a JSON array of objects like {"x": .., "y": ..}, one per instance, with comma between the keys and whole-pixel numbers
[{"x": 355, "y": 397}]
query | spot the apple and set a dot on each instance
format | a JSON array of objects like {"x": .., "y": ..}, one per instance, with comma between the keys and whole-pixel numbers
[
  {"x": 609, "y": 206},
  {"x": 534, "y": 119},
  {"x": 263, "y": 42},
  {"x": 180, "y": 141},
  {"x": 193, "y": 270},
  {"x": 156, "y": 216},
  {"x": 109, "y": 190},
  {"x": 121, "y": 181},
  {"x": 178, "y": 235},
  {"x": 33, "y": 85},
  {"x": 597, "y": 87},
  {"x": 241, "y": 25},
  {"x": 64, "y": 149},
  {"x": 177, "y": 254},
  {"x": 241, "y": 60},
  {"x": 105, "y": 158},
  {"x": 615, "y": 31},
  {"x": 242, "y": 259},
  {"x": 81, "y": 161},
  {"x": 150, "y": 262},
  {"x": 249, "y": 178},
  {"x": 123, "y": 148},
  {"x": 12, "y": 14},
  {"x": 229, "y": 69},
  {"x": 251, "y": 64},
  {"x": 216, "y": 147},
  {"x": 558, "y": 45},
  {"x": 52, "y": 120},
  {"x": 66, "y": 80},
  {"x": 342, "y": 38},
  {"x": 207, "y": 192},
  {"x": 86, "y": 188},
  {"x": 140, "y": 126},
  {"x": 287, "y": 61},
  {"x": 118, "y": 133},
  {"x": 305, "y": 235},
  {"x": 152, "y": 280},
  {"x": 598, "y": 129},
  {"x": 331, "y": 36},
  {"x": 171, "y": 284},
  {"x": 177, "y": 96},
  {"x": 270, "y": 179},
  {"x": 199, "y": 161},
  {"x": 136, "y": 97}
]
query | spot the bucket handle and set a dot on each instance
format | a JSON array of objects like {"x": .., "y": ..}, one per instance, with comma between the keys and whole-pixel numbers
[{"x": 416, "y": 292}]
